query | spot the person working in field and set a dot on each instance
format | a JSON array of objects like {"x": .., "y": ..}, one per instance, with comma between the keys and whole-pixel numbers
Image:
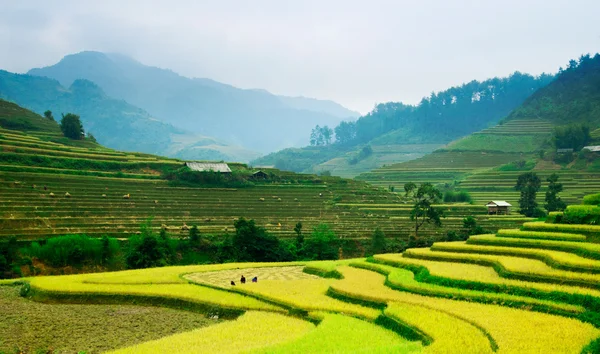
[
  {"x": 243, "y": 280},
  {"x": 255, "y": 280}
]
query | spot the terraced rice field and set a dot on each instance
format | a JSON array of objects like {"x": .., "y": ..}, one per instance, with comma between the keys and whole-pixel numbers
[
  {"x": 460, "y": 297},
  {"x": 37, "y": 171}
]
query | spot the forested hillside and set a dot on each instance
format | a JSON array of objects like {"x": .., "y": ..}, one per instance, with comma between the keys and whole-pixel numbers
[
  {"x": 115, "y": 123},
  {"x": 563, "y": 115},
  {"x": 254, "y": 119},
  {"x": 394, "y": 126},
  {"x": 573, "y": 97}
]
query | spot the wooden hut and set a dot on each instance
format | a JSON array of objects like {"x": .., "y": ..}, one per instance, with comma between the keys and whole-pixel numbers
[
  {"x": 259, "y": 175},
  {"x": 498, "y": 207}
]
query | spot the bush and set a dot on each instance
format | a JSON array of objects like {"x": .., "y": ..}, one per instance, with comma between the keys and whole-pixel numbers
[
  {"x": 457, "y": 196},
  {"x": 582, "y": 214},
  {"x": 539, "y": 213},
  {"x": 74, "y": 250},
  {"x": 554, "y": 217},
  {"x": 322, "y": 245},
  {"x": 592, "y": 199}
]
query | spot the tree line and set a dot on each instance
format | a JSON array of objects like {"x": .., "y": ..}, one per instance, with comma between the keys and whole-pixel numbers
[{"x": 444, "y": 115}]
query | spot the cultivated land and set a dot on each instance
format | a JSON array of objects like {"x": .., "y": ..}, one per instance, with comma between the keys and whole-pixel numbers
[
  {"x": 37, "y": 169},
  {"x": 473, "y": 164},
  {"x": 505, "y": 293}
]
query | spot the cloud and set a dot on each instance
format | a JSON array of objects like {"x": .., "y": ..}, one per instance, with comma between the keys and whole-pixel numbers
[{"x": 354, "y": 52}]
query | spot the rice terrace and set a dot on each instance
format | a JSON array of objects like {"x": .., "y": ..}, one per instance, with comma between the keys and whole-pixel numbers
[{"x": 153, "y": 210}]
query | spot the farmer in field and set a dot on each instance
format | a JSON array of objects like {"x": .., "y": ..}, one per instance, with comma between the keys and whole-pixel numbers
[
  {"x": 232, "y": 283},
  {"x": 243, "y": 280},
  {"x": 255, "y": 280}
]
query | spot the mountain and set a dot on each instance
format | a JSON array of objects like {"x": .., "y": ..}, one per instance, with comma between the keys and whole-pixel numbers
[
  {"x": 114, "y": 123},
  {"x": 573, "y": 97},
  {"x": 395, "y": 132},
  {"x": 487, "y": 163},
  {"x": 255, "y": 119}
]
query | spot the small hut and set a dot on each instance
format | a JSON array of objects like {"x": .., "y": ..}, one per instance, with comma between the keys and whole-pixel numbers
[
  {"x": 498, "y": 207},
  {"x": 208, "y": 166},
  {"x": 592, "y": 148},
  {"x": 259, "y": 175}
]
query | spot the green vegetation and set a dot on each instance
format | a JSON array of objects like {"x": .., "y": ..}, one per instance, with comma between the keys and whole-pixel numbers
[
  {"x": 423, "y": 210},
  {"x": 71, "y": 126},
  {"x": 528, "y": 184},
  {"x": 398, "y": 132},
  {"x": 553, "y": 201}
]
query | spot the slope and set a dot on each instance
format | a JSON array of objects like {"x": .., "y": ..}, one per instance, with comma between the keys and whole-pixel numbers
[
  {"x": 395, "y": 132},
  {"x": 487, "y": 163},
  {"x": 115, "y": 123},
  {"x": 255, "y": 119}
]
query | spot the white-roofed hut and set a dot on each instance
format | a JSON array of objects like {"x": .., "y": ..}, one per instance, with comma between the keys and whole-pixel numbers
[
  {"x": 498, "y": 207},
  {"x": 208, "y": 166}
]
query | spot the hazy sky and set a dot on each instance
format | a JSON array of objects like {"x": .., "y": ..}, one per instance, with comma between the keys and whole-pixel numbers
[{"x": 357, "y": 53}]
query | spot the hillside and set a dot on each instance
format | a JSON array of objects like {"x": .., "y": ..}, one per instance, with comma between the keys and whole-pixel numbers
[
  {"x": 37, "y": 170},
  {"x": 511, "y": 292},
  {"x": 487, "y": 163},
  {"x": 396, "y": 132},
  {"x": 254, "y": 119},
  {"x": 114, "y": 123}
]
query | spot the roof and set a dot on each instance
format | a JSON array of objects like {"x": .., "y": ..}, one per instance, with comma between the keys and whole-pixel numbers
[
  {"x": 207, "y": 166},
  {"x": 498, "y": 203},
  {"x": 259, "y": 172},
  {"x": 594, "y": 148},
  {"x": 564, "y": 150}
]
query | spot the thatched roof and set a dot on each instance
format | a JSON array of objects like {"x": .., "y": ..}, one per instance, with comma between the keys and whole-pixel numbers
[{"x": 208, "y": 166}]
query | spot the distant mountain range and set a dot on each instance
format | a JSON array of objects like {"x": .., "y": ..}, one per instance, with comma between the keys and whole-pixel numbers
[
  {"x": 115, "y": 123},
  {"x": 254, "y": 119}
]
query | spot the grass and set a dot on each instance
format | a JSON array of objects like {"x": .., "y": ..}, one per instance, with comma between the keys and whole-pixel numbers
[
  {"x": 449, "y": 333},
  {"x": 71, "y": 328},
  {"x": 558, "y": 236},
  {"x": 514, "y": 330},
  {"x": 343, "y": 334},
  {"x": 513, "y": 267},
  {"x": 555, "y": 259},
  {"x": 253, "y": 330}
]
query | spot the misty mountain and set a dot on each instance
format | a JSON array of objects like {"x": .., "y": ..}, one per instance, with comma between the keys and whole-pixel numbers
[
  {"x": 115, "y": 123},
  {"x": 255, "y": 119}
]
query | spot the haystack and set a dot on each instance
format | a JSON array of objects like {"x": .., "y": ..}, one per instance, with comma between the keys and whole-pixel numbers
[
  {"x": 185, "y": 227},
  {"x": 67, "y": 195},
  {"x": 126, "y": 196},
  {"x": 103, "y": 195},
  {"x": 51, "y": 195}
]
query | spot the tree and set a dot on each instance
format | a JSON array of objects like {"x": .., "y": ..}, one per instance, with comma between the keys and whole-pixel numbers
[
  {"x": 194, "y": 238},
  {"x": 572, "y": 136},
  {"x": 253, "y": 244},
  {"x": 327, "y": 134},
  {"x": 378, "y": 243},
  {"x": 323, "y": 244},
  {"x": 345, "y": 132},
  {"x": 553, "y": 201},
  {"x": 71, "y": 126},
  {"x": 528, "y": 184},
  {"x": 48, "y": 115},
  {"x": 423, "y": 211},
  {"x": 299, "y": 236}
]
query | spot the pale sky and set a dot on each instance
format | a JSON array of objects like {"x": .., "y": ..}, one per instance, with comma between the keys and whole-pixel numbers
[{"x": 357, "y": 53}]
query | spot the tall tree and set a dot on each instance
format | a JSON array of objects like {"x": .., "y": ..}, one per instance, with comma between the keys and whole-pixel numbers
[
  {"x": 327, "y": 134},
  {"x": 528, "y": 184},
  {"x": 345, "y": 132},
  {"x": 299, "y": 236},
  {"x": 423, "y": 210},
  {"x": 48, "y": 115},
  {"x": 378, "y": 243},
  {"x": 71, "y": 126},
  {"x": 553, "y": 201}
]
